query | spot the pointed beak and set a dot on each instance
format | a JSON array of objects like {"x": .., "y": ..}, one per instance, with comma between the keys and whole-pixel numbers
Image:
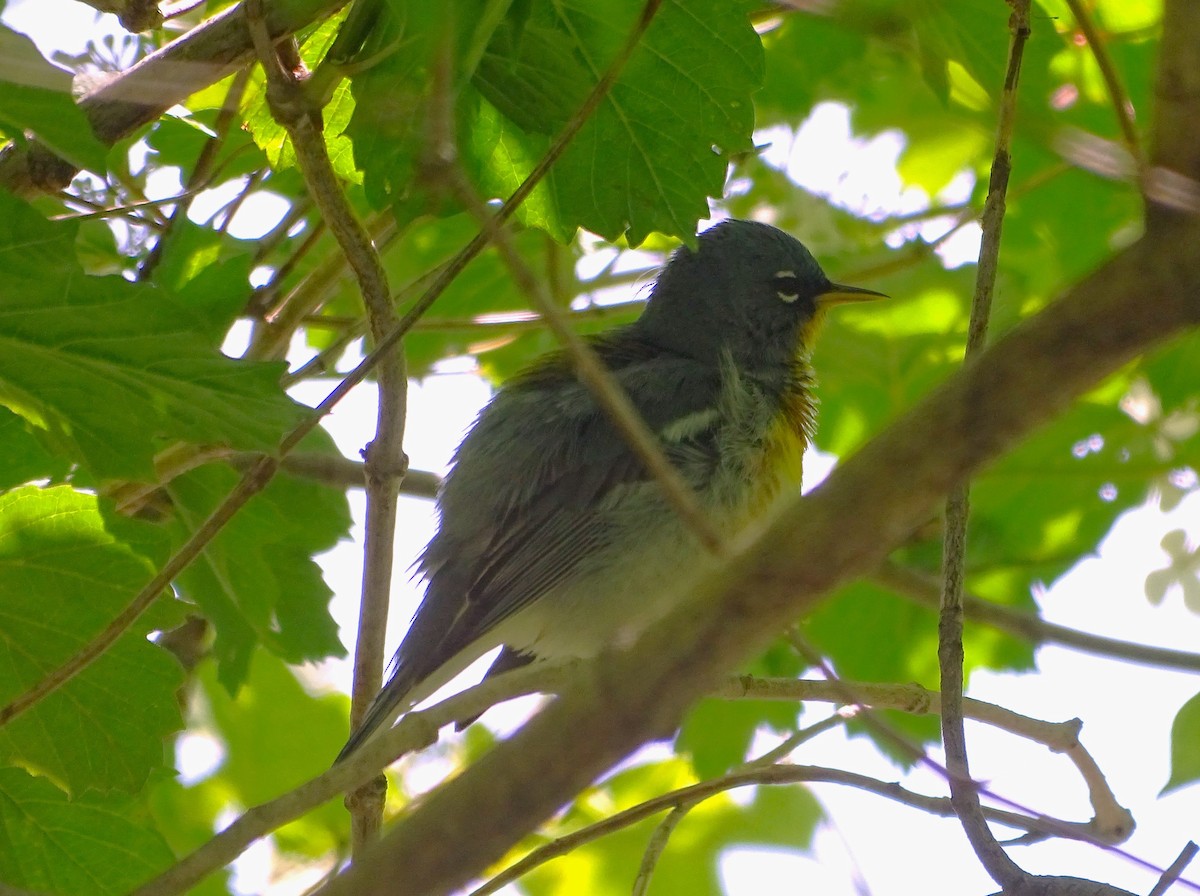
[{"x": 838, "y": 294}]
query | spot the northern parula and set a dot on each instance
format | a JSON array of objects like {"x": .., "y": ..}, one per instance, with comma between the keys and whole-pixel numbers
[{"x": 554, "y": 540}]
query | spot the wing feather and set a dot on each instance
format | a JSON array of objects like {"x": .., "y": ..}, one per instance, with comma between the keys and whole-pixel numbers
[{"x": 528, "y": 495}]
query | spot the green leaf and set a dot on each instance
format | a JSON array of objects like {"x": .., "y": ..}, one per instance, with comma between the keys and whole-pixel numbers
[
  {"x": 187, "y": 816},
  {"x": 1174, "y": 372},
  {"x": 272, "y": 138},
  {"x": 394, "y": 92},
  {"x": 259, "y": 729},
  {"x": 1185, "y": 746},
  {"x": 25, "y": 457},
  {"x": 660, "y": 142},
  {"x": 1053, "y": 498},
  {"x": 107, "y": 368},
  {"x": 718, "y": 733},
  {"x": 179, "y": 139},
  {"x": 36, "y": 96},
  {"x": 51, "y": 843},
  {"x": 256, "y": 580},
  {"x": 67, "y": 568}
]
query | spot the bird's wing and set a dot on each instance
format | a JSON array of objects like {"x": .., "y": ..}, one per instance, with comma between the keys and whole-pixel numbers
[{"x": 525, "y": 501}]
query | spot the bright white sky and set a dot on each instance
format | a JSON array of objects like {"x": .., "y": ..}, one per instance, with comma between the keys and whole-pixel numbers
[{"x": 870, "y": 845}]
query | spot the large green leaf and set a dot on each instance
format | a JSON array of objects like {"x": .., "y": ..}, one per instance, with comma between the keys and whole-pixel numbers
[
  {"x": 67, "y": 567},
  {"x": 256, "y": 581},
  {"x": 25, "y": 457},
  {"x": 51, "y": 843},
  {"x": 394, "y": 101},
  {"x": 658, "y": 145},
  {"x": 108, "y": 368}
]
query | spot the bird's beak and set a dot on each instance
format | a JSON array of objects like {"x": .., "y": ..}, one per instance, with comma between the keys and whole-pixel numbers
[{"x": 837, "y": 294}]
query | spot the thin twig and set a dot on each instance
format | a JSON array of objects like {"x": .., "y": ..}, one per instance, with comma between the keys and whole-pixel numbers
[
  {"x": 910, "y": 698},
  {"x": 657, "y": 843},
  {"x": 655, "y": 847},
  {"x": 923, "y": 589},
  {"x": 284, "y": 316},
  {"x": 339, "y": 472},
  {"x": 125, "y": 210},
  {"x": 251, "y": 484},
  {"x": 416, "y": 731},
  {"x": 963, "y": 792},
  {"x": 198, "y": 178},
  {"x": 1177, "y": 868},
  {"x": 773, "y": 774},
  {"x": 385, "y": 460},
  {"x": 1122, "y": 107},
  {"x": 1112, "y": 822},
  {"x": 229, "y": 210}
]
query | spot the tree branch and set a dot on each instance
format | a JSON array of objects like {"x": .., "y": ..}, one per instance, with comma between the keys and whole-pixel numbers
[
  {"x": 142, "y": 93},
  {"x": 963, "y": 793},
  {"x": 385, "y": 459},
  {"x": 769, "y": 775},
  {"x": 1112, "y": 823},
  {"x": 1173, "y": 183},
  {"x": 1122, "y": 107},
  {"x": 922, "y": 589}
]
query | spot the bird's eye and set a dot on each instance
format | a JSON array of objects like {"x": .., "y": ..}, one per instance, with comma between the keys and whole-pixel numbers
[{"x": 787, "y": 286}]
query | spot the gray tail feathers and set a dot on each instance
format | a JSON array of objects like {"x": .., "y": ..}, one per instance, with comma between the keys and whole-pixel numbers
[{"x": 380, "y": 714}]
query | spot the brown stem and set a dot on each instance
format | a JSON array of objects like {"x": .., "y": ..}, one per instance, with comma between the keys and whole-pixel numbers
[
  {"x": 385, "y": 459},
  {"x": 963, "y": 793}
]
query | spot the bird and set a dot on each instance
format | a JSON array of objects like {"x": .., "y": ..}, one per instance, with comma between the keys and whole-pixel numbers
[{"x": 554, "y": 540}]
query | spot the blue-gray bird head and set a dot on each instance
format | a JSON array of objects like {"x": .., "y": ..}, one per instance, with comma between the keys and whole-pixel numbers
[{"x": 749, "y": 290}]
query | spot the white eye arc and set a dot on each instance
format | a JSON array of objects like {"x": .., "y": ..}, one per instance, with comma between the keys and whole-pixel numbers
[{"x": 789, "y": 291}]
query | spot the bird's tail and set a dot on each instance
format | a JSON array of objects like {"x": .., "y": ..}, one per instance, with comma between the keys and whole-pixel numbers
[{"x": 386, "y": 706}]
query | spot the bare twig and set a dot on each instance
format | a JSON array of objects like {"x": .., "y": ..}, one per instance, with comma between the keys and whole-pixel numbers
[
  {"x": 416, "y": 731},
  {"x": 1177, "y": 868},
  {"x": 1112, "y": 822},
  {"x": 385, "y": 461},
  {"x": 923, "y": 589},
  {"x": 198, "y": 178},
  {"x": 341, "y": 472},
  {"x": 771, "y": 774},
  {"x": 657, "y": 843},
  {"x": 963, "y": 793},
  {"x": 1122, "y": 107},
  {"x": 282, "y": 317},
  {"x": 655, "y": 847}
]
